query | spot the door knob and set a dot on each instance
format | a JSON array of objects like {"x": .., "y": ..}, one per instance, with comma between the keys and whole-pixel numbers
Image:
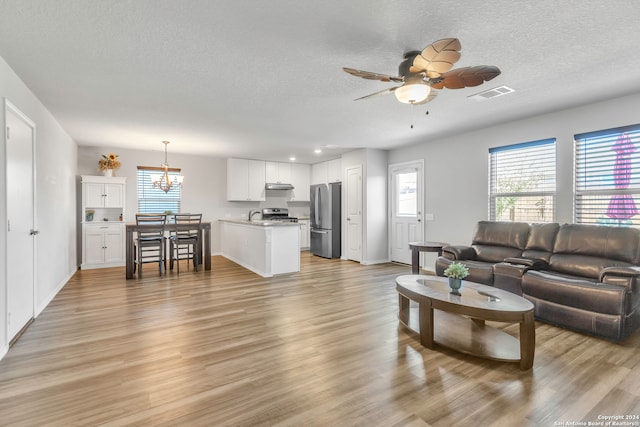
[{"x": 33, "y": 232}]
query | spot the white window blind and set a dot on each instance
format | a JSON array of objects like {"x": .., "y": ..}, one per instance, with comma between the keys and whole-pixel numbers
[
  {"x": 153, "y": 200},
  {"x": 522, "y": 182},
  {"x": 607, "y": 177}
]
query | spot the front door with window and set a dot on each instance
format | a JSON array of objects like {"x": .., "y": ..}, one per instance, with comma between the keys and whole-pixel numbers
[{"x": 405, "y": 183}]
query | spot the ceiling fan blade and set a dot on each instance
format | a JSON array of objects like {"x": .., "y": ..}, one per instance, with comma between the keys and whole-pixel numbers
[
  {"x": 372, "y": 76},
  {"x": 467, "y": 77},
  {"x": 382, "y": 92},
  {"x": 437, "y": 58}
]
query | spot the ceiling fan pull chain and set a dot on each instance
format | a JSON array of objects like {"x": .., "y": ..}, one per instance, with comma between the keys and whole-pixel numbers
[{"x": 412, "y": 115}]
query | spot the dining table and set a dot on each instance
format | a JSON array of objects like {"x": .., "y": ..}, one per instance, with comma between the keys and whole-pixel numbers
[{"x": 204, "y": 250}]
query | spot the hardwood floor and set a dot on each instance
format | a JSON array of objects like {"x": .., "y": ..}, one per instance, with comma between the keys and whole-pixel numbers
[{"x": 322, "y": 347}]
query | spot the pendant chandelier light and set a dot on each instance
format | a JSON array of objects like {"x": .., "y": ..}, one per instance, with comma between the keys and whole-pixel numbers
[{"x": 163, "y": 181}]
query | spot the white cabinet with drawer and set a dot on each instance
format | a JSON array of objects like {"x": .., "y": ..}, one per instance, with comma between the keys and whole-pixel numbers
[{"x": 103, "y": 245}]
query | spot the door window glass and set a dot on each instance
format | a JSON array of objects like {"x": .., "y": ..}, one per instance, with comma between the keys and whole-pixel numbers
[{"x": 407, "y": 200}]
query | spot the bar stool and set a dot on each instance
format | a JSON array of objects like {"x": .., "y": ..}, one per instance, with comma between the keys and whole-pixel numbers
[
  {"x": 150, "y": 243},
  {"x": 184, "y": 241}
]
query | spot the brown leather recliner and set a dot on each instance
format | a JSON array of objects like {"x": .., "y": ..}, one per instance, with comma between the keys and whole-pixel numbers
[
  {"x": 492, "y": 243},
  {"x": 591, "y": 282}
]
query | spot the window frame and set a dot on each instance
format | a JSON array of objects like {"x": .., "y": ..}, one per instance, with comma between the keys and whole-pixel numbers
[
  {"x": 164, "y": 201},
  {"x": 494, "y": 177},
  {"x": 602, "y": 158}
]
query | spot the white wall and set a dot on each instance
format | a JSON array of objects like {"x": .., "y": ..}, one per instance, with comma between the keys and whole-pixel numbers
[
  {"x": 204, "y": 188},
  {"x": 376, "y": 207},
  {"x": 374, "y": 200},
  {"x": 456, "y": 168},
  {"x": 56, "y": 161}
]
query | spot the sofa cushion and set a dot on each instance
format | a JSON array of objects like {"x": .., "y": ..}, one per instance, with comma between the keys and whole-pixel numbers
[
  {"x": 479, "y": 272},
  {"x": 510, "y": 234},
  {"x": 584, "y": 250},
  {"x": 615, "y": 243},
  {"x": 495, "y": 254},
  {"x": 495, "y": 241},
  {"x": 541, "y": 241},
  {"x": 582, "y": 265},
  {"x": 572, "y": 291}
]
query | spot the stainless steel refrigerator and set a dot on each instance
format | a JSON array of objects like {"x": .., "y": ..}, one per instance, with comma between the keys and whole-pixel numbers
[{"x": 325, "y": 220}]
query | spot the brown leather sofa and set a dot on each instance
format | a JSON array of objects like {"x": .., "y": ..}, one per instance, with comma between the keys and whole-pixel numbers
[
  {"x": 494, "y": 242},
  {"x": 583, "y": 277}
]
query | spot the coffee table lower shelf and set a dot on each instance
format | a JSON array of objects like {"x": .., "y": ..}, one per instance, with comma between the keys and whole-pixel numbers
[{"x": 469, "y": 336}]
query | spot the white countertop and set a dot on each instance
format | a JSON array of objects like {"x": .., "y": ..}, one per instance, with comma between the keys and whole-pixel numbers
[{"x": 260, "y": 222}]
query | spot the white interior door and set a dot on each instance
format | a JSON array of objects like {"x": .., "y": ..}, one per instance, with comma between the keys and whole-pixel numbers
[
  {"x": 354, "y": 213},
  {"x": 20, "y": 137},
  {"x": 405, "y": 184}
]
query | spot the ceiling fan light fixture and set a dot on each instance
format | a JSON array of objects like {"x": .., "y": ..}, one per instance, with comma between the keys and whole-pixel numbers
[{"x": 412, "y": 93}]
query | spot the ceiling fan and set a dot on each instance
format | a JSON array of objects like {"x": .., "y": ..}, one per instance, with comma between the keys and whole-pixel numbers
[{"x": 420, "y": 72}]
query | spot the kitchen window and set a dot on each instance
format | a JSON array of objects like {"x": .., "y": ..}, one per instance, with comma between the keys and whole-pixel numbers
[
  {"x": 607, "y": 177},
  {"x": 522, "y": 182},
  {"x": 154, "y": 200}
]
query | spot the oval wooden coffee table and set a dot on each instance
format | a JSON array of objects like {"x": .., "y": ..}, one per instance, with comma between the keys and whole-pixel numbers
[{"x": 458, "y": 321}]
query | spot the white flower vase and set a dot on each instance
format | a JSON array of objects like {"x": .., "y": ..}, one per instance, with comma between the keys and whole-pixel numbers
[{"x": 107, "y": 172}]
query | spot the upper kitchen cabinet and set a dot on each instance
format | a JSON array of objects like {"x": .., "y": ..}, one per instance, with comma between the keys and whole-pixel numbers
[
  {"x": 245, "y": 180},
  {"x": 327, "y": 172},
  {"x": 334, "y": 170},
  {"x": 103, "y": 192},
  {"x": 278, "y": 172},
  {"x": 300, "y": 179}
]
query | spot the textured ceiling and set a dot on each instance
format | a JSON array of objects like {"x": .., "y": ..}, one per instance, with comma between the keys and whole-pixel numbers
[{"x": 264, "y": 79}]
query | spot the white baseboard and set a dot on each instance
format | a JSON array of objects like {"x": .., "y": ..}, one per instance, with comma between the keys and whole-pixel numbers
[
  {"x": 53, "y": 294},
  {"x": 375, "y": 261}
]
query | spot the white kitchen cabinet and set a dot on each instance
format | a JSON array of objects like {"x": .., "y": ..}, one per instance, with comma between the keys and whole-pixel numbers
[
  {"x": 319, "y": 173},
  {"x": 245, "y": 180},
  {"x": 327, "y": 172},
  {"x": 103, "y": 208},
  {"x": 334, "y": 170},
  {"x": 103, "y": 192},
  {"x": 300, "y": 179},
  {"x": 266, "y": 250},
  {"x": 304, "y": 233},
  {"x": 103, "y": 245},
  {"x": 278, "y": 172}
]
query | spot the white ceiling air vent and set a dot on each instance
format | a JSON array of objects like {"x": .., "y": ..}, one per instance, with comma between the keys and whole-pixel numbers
[{"x": 491, "y": 93}]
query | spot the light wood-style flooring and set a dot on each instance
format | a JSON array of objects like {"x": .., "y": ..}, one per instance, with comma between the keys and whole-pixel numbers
[{"x": 322, "y": 347}]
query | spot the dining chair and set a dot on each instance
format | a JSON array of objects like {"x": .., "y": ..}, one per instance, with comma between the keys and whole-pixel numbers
[
  {"x": 150, "y": 242},
  {"x": 184, "y": 241}
]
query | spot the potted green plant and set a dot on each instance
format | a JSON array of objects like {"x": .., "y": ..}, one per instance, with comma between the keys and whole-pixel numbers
[{"x": 456, "y": 272}]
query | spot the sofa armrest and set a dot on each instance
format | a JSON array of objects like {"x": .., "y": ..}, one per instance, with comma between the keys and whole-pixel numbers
[
  {"x": 628, "y": 277},
  {"x": 531, "y": 263},
  {"x": 459, "y": 253},
  {"x": 620, "y": 271}
]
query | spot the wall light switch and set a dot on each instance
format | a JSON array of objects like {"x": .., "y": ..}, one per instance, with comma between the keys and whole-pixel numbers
[{"x": 428, "y": 217}]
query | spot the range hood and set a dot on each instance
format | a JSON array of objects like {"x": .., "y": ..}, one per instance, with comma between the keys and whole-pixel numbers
[{"x": 277, "y": 186}]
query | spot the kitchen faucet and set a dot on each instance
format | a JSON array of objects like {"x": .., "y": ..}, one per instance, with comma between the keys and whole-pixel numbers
[{"x": 252, "y": 212}]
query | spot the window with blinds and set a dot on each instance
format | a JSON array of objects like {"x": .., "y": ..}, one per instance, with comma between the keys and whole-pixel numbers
[
  {"x": 607, "y": 177},
  {"x": 153, "y": 200},
  {"x": 522, "y": 182}
]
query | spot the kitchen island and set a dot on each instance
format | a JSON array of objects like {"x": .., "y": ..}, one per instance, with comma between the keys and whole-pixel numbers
[{"x": 267, "y": 248}]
